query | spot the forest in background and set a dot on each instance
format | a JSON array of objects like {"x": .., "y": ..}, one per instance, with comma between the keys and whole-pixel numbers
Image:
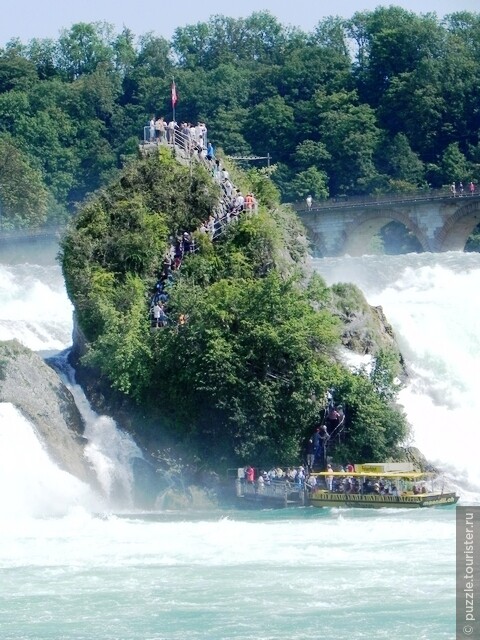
[{"x": 386, "y": 101}]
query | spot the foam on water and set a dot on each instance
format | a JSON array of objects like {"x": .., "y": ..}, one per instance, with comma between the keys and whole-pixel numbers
[
  {"x": 31, "y": 485},
  {"x": 264, "y": 575},
  {"x": 34, "y": 307}
]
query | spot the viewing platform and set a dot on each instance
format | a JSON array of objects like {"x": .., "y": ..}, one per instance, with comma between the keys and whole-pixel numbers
[{"x": 280, "y": 493}]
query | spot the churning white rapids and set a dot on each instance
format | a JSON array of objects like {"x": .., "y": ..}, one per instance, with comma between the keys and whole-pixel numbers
[{"x": 72, "y": 566}]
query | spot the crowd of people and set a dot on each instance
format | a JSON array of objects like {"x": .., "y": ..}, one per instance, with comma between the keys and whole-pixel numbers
[
  {"x": 300, "y": 478},
  {"x": 459, "y": 190},
  {"x": 192, "y": 141},
  {"x": 297, "y": 476},
  {"x": 170, "y": 132},
  {"x": 316, "y": 458}
]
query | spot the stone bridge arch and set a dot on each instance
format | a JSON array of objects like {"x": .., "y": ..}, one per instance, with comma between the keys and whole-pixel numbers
[
  {"x": 359, "y": 234},
  {"x": 454, "y": 234}
]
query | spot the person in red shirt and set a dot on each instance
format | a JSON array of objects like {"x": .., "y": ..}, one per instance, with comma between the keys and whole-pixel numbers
[{"x": 250, "y": 474}]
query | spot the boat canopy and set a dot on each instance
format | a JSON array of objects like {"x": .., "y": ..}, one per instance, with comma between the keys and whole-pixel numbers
[
  {"x": 386, "y": 474},
  {"x": 383, "y": 467}
]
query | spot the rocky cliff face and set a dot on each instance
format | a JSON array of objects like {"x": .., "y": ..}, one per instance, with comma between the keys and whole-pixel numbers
[
  {"x": 28, "y": 383},
  {"x": 366, "y": 329}
]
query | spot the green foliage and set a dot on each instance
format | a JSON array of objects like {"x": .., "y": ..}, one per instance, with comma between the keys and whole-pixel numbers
[
  {"x": 254, "y": 350},
  {"x": 242, "y": 375},
  {"x": 404, "y": 167},
  {"x": 311, "y": 181},
  {"x": 262, "y": 186},
  {"x": 309, "y": 153},
  {"x": 473, "y": 243},
  {"x": 121, "y": 350},
  {"x": 23, "y": 195},
  {"x": 348, "y": 298},
  {"x": 375, "y": 428},
  {"x": 395, "y": 110},
  {"x": 454, "y": 163},
  {"x": 384, "y": 374}
]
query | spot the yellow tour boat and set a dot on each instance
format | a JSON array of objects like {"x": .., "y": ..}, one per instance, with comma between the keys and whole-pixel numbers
[{"x": 394, "y": 485}]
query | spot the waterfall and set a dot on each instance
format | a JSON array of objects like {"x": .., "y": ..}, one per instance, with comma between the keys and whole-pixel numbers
[
  {"x": 34, "y": 307},
  {"x": 31, "y": 484},
  {"x": 110, "y": 450},
  {"x": 35, "y": 310}
]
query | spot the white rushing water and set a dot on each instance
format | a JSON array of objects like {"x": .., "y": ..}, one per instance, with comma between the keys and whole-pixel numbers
[
  {"x": 109, "y": 449},
  {"x": 34, "y": 307},
  {"x": 30, "y": 483}
]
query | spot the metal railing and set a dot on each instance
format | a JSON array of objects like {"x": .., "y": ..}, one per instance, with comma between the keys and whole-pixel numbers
[
  {"x": 277, "y": 492},
  {"x": 419, "y": 195},
  {"x": 172, "y": 137}
]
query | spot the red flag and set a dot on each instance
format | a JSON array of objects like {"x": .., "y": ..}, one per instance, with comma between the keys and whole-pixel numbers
[{"x": 174, "y": 94}]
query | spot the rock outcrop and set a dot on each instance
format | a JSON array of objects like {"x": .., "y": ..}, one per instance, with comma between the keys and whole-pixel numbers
[
  {"x": 366, "y": 329},
  {"x": 35, "y": 389}
]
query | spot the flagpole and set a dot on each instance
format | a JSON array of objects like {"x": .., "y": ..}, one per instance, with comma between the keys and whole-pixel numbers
[{"x": 173, "y": 99}]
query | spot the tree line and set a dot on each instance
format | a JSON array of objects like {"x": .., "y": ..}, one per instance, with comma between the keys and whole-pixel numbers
[{"x": 385, "y": 101}]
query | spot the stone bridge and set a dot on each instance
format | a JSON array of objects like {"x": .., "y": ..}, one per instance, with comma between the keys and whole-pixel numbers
[{"x": 439, "y": 221}]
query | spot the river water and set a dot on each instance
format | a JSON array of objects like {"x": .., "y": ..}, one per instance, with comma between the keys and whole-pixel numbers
[{"x": 76, "y": 566}]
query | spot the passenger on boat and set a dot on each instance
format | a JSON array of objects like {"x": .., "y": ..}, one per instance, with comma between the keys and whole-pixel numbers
[
  {"x": 355, "y": 487},
  {"x": 329, "y": 478},
  {"x": 310, "y": 454},
  {"x": 300, "y": 477},
  {"x": 260, "y": 484}
]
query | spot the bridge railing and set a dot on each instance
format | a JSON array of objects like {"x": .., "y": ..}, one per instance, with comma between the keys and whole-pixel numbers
[{"x": 384, "y": 198}]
